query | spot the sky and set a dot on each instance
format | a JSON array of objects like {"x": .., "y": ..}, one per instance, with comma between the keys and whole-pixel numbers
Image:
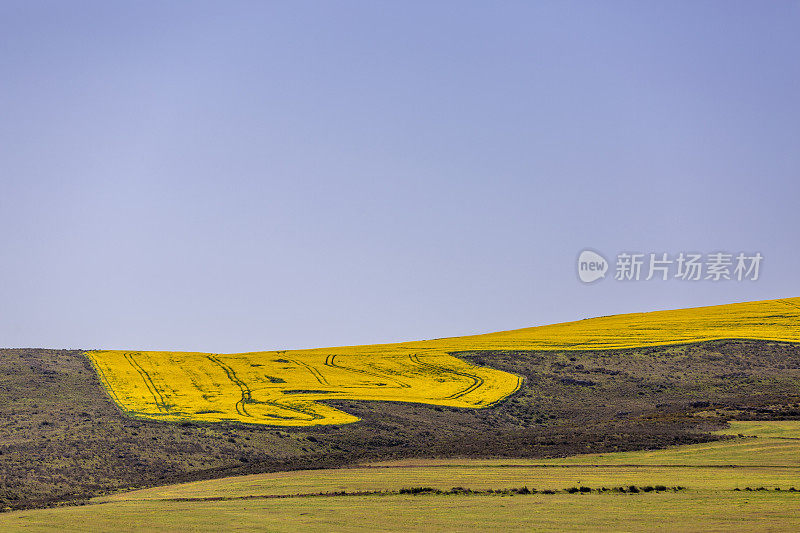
[{"x": 240, "y": 176}]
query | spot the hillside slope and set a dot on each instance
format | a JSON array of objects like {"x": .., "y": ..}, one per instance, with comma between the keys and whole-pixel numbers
[
  {"x": 63, "y": 439},
  {"x": 285, "y": 388}
]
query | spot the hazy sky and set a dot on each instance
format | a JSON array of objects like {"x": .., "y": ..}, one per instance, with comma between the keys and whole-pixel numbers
[{"x": 235, "y": 176}]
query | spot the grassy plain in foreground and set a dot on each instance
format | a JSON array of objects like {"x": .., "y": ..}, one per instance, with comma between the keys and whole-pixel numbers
[
  {"x": 682, "y": 511},
  {"x": 721, "y": 466},
  {"x": 708, "y": 503}
]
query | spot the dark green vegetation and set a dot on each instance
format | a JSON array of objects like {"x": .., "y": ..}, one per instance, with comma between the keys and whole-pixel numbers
[
  {"x": 583, "y": 489},
  {"x": 62, "y": 439}
]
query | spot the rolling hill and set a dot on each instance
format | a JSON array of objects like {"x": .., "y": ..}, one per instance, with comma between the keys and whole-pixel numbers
[
  {"x": 611, "y": 384},
  {"x": 284, "y": 388}
]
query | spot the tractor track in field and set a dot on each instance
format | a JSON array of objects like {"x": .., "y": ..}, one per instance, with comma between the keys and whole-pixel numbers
[
  {"x": 247, "y": 395},
  {"x": 158, "y": 399},
  {"x": 314, "y": 372},
  {"x": 330, "y": 361},
  {"x": 787, "y": 302},
  {"x": 477, "y": 381}
]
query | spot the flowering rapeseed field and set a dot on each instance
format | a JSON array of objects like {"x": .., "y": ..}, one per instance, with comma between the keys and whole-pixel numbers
[{"x": 282, "y": 387}]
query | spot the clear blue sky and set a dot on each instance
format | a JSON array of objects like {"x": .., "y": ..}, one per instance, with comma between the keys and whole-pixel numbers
[{"x": 234, "y": 176}]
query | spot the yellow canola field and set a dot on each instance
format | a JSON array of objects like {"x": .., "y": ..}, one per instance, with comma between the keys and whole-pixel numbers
[{"x": 282, "y": 387}]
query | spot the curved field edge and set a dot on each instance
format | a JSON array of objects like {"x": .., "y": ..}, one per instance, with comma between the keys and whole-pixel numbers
[
  {"x": 772, "y": 459},
  {"x": 728, "y": 485},
  {"x": 283, "y": 388}
]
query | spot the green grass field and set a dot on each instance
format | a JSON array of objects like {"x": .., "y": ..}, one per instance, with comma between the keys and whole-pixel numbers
[
  {"x": 291, "y": 501},
  {"x": 787, "y": 429},
  {"x": 681, "y": 511}
]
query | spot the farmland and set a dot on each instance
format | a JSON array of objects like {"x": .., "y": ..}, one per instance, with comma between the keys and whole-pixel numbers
[
  {"x": 787, "y": 429},
  {"x": 682, "y": 511},
  {"x": 284, "y": 388},
  {"x": 63, "y": 438},
  {"x": 770, "y": 457},
  {"x": 370, "y": 495}
]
